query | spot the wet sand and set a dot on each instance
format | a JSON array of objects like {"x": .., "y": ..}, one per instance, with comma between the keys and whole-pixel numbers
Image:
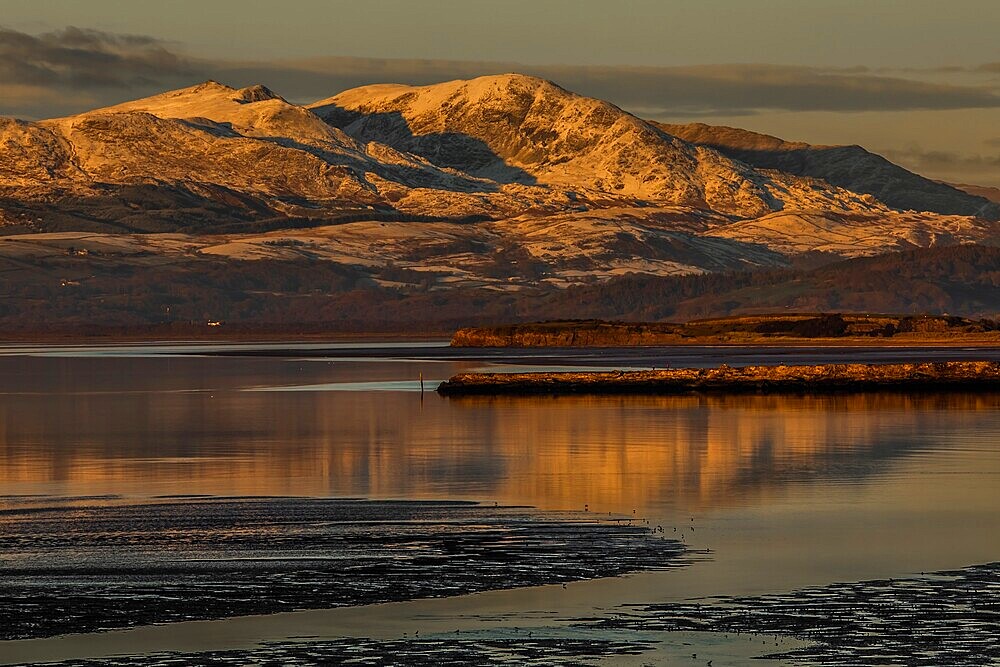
[
  {"x": 98, "y": 564},
  {"x": 942, "y": 618},
  {"x": 382, "y": 631},
  {"x": 948, "y": 617},
  {"x": 564, "y": 646}
]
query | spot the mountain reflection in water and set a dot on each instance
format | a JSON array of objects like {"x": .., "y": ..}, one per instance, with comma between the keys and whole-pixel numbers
[{"x": 186, "y": 425}]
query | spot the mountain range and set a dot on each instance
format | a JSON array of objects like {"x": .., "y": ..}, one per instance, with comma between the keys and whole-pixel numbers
[{"x": 502, "y": 184}]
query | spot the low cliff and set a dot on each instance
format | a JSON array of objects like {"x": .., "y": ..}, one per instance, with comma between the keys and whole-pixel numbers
[{"x": 763, "y": 379}]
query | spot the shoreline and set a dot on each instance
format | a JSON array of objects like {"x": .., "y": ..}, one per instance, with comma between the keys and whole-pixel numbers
[
  {"x": 292, "y": 339},
  {"x": 221, "y": 338},
  {"x": 822, "y": 378}
]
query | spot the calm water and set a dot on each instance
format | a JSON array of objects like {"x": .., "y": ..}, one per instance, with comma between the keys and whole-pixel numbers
[{"x": 786, "y": 491}]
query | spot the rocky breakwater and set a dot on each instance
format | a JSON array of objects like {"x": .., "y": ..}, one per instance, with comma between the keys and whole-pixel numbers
[{"x": 951, "y": 375}]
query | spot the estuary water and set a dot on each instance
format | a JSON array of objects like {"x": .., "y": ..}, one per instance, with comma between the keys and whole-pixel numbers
[{"x": 779, "y": 492}]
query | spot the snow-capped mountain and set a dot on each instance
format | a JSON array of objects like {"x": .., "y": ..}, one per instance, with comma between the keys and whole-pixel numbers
[
  {"x": 520, "y": 129},
  {"x": 497, "y": 169}
]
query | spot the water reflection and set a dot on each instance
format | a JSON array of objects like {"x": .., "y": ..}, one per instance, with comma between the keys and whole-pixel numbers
[{"x": 170, "y": 426}]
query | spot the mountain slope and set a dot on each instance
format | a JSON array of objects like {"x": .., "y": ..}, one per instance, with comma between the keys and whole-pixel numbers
[
  {"x": 858, "y": 235},
  {"x": 215, "y": 143},
  {"x": 501, "y": 185},
  {"x": 849, "y": 167},
  {"x": 32, "y": 153},
  {"x": 959, "y": 280},
  {"x": 515, "y": 128}
]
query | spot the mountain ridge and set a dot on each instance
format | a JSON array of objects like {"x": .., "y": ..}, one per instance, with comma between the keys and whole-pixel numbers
[
  {"x": 851, "y": 167},
  {"x": 506, "y": 185},
  {"x": 552, "y": 136},
  {"x": 482, "y": 146}
]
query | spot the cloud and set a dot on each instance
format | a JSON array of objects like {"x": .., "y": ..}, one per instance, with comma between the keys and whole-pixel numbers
[
  {"x": 59, "y": 71},
  {"x": 73, "y": 69},
  {"x": 946, "y": 165},
  {"x": 722, "y": 87},
  {"x": 699, "y": 90},
  {"x": 947, "y": 158},
  {"x": 78, "y": 58}
]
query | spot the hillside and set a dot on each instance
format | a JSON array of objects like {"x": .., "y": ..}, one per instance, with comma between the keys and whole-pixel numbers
[
  {"x": 497, "y": 197},
  {"x": 492, "y": 148},
  {"x": 247, "y": 149},
  {"x": 114, "y": 291},
  {"x": 962, "y": 280},
  {"x": 514, "y": 128},
  {"x": 850, "y": 167}
]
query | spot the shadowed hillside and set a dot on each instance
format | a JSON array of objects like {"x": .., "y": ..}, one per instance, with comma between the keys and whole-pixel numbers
[{"x": 102, "y": 294}]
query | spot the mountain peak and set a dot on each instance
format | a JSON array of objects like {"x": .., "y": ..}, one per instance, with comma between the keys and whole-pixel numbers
[
  {"x": 519, "y": 128},
  {"x": 494, "y": 88},
  {"x": 256, "y": 93},
  {"x": 209, "y": 99},
  {"x": 510, "y": 80},
  {"x": 208, "y": 84},
  {"x": 254, "y": 110},
  {"x": 730, "y": 137},
  {"x": 178, "y": 103}
]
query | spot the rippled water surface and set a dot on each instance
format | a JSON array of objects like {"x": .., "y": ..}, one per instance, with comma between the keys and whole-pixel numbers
[{"x": 785, "y": 490}]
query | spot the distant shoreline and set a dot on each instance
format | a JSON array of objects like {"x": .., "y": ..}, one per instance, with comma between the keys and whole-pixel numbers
[
  {"x": 222, "y": 337},
  {"x": 781, "y": 330}
]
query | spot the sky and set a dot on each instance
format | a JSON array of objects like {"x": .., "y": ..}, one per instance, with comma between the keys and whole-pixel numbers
[{"x": 915, "y": 80}]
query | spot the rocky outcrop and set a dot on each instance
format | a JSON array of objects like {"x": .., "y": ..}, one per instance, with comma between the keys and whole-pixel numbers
[{"x": 953, "y": 375}]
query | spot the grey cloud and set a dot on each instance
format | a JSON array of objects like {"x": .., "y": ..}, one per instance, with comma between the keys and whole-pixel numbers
[
  {"x": 719, "y": 89},
  {"x": 956, "y": 167},
  {"x": 79, "y": 58},
  {"x": 90, "y": 68},
  {"x": 73, "y": 68},
  {"x": 723, "y": 87},
  {"x": 946, "y": 158}
]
